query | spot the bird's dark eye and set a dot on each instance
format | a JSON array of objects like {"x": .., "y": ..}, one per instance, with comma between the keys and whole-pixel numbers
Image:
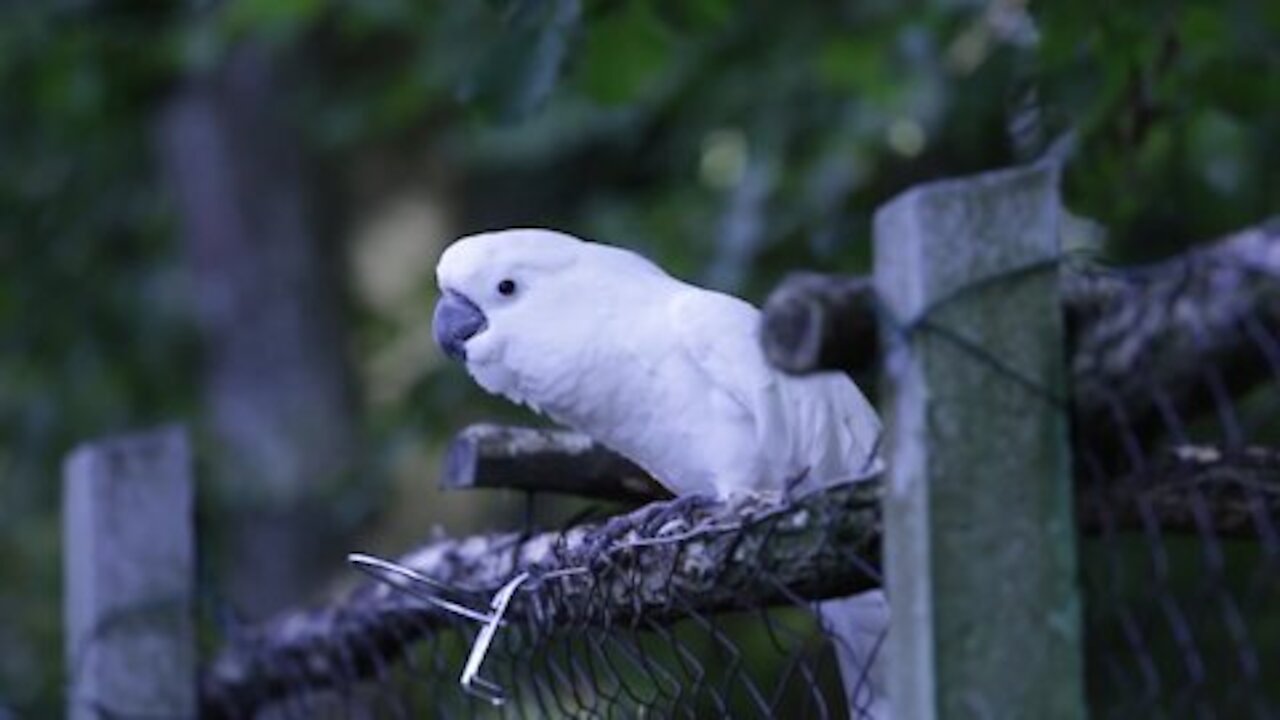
[{"x": 507, "y": 287}]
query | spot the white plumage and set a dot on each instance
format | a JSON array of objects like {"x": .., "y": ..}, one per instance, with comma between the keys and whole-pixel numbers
[
  {"x": 669, "y": 374},
  {"x": 666, "y": 373}
]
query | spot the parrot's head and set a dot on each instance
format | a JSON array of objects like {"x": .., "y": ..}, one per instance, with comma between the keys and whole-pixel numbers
[{"x": 520, "y": 306}]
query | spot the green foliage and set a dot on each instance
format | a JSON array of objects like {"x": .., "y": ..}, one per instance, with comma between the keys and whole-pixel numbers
[
  {"x": 90, "y": 320},
  {"x": 625, "y": 55},
  {"x": 732, "y": 141},
  {"x": 1176, "y": 103}
]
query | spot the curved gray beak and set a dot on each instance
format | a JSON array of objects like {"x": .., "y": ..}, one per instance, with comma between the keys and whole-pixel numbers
[{"x": 456, "y": 320}]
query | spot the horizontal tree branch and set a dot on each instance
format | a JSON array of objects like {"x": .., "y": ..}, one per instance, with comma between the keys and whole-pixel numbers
[
  {"x": 664, "y": 561},
  {"x": 1156, "y": 348},
  {"x": 1191, "y": 489},
  {"x": 536, "y": 459},
  {"x": 1151, "y": 347},
  {"x": 654, "y": 565}
]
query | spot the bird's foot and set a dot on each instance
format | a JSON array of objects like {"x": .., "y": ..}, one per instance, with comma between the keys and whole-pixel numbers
[
  {"x": 661, "y": 518},
  {"x": 793, "y": 484}
]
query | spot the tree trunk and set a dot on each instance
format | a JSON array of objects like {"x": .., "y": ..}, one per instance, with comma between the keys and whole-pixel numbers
[{"x": 277, "y": 386}]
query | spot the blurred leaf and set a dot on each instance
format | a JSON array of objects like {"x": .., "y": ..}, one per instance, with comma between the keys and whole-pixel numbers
[
  {"x": 276, "y": 19},
  {"x": 704, "y": 14},
  {"x": 522, "y": 64},
  {"x": 625, "y": 55},
  {"x": 853, "y": 64}
]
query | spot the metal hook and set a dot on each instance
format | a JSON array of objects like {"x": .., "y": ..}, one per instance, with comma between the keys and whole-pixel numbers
[{"x": 471, "y": 681}]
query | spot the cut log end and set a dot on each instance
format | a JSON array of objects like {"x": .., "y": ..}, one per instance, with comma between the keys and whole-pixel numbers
[{"x": 815, "y": 322}]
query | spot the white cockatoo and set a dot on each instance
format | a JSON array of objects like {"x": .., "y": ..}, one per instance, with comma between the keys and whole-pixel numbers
[{"x": 666, "y": 373}]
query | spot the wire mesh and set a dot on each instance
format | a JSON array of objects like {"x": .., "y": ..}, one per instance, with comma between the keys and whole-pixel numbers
[
  {"x": 1178, "y": 490},
  {"x": 675, "y": 610},
  {"x": 709, "y": 612}
]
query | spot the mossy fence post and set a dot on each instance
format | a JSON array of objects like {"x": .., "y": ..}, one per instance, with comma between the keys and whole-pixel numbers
[{"x": 979, "y": 535}]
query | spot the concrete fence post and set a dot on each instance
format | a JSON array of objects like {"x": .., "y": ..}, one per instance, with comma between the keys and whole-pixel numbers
[
  {"x": 979, "y": 539},
  {"x": 129, "y": 556}
]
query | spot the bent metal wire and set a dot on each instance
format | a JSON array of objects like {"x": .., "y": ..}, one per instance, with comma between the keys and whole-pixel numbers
[{"x": 403, "y": 578}]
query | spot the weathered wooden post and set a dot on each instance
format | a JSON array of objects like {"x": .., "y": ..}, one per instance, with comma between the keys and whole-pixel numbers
[
  {"x": 129, "y": 577},
  {"x": 979, "y": 544}
]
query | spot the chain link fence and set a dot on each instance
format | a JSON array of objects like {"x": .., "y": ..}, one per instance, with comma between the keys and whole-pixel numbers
[
  {"x": 668, "y": 610},
  {"x": 1179, "y": 481}
]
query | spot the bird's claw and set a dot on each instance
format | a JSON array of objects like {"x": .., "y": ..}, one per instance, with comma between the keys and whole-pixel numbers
[
  {"x": 659, "y": 516},
  {"x": 657, "y": 519},
  {"x": 792, "y": 484}
]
